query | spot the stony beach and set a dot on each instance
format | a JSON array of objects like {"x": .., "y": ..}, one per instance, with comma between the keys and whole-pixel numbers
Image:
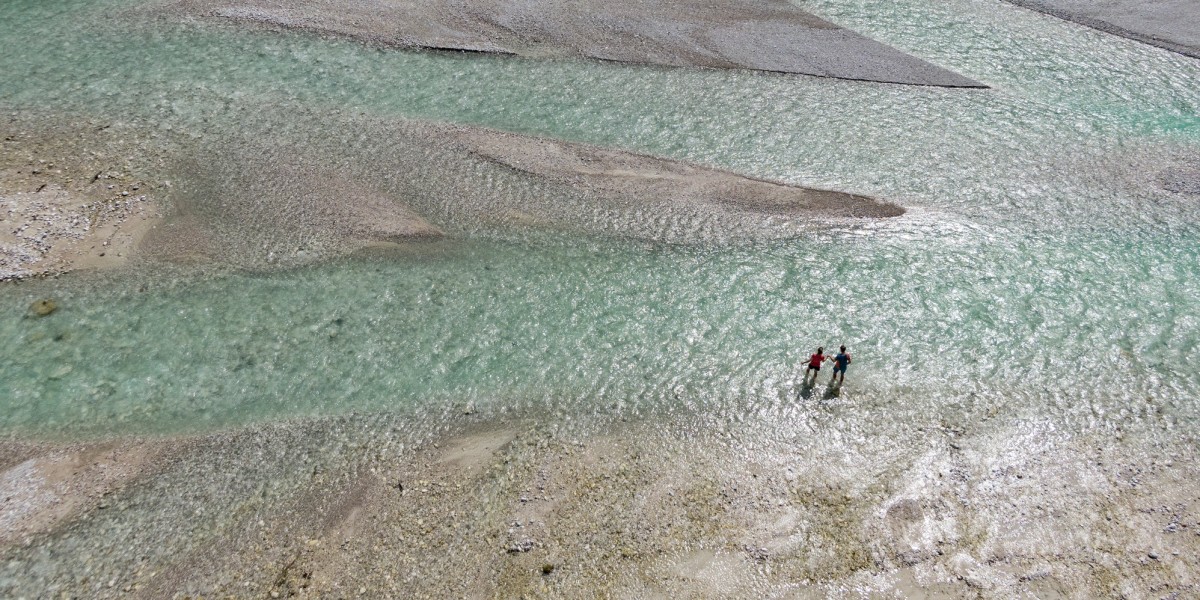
[
  {"x": 502, "y": 506},
  {"x": 74, "y": 194}
]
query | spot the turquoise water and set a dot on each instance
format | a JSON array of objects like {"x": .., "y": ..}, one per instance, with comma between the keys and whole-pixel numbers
[{"x": 1042, "y": 268}]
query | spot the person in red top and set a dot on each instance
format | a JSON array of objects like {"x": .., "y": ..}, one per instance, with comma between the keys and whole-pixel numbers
[{"x": 814, "y": 364}]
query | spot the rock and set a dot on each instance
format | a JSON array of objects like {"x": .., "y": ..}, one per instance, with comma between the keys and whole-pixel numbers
[
  {"x": 44, "y": 307},
  {"x": 61, "y": 372},
  {"x": 547, "y": 569},
  {"x": 1152, "y": 555}
]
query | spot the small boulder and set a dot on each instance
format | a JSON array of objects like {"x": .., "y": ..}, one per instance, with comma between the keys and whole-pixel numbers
[{"x": 43, "y": 307}]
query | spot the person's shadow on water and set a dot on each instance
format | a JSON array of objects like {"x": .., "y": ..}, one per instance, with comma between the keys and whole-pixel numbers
[
  {"x": 831, "y": 391},
  {"x": 807, "y": 388}
]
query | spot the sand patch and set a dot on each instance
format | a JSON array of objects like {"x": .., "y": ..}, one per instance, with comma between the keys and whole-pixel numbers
[
  {"x": 472, "y": 452},
  {"x": 73, "y": 195},
  {"x": 765, "y": 35},
  {"x": 633, "y": 175},
  {"x": 1167, "y": 24},
  {"x": 284, "y": 211},
  {"x": 55, "y": 484},
  {"x": 267, "y": 202}
]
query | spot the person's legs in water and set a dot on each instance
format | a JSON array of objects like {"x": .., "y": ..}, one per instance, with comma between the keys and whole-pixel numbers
[
  {"x": 840, "y": 362},
  {"x": 814, "y": 365}
]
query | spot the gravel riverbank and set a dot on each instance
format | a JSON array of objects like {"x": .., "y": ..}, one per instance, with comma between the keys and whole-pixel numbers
[{"x": 791, "y": 503}]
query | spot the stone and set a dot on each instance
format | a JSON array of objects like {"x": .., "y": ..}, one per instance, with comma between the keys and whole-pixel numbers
[
  {"x": 61, "y": 372},
  {"x": 547, "y": 569},
  {"x": 44, "y": 307}
]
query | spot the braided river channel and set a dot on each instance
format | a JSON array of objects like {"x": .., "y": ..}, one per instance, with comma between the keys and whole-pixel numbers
[{"x": 1036, "y": 307}]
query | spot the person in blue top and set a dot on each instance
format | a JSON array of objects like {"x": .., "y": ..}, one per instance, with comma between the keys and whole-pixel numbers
[{"x": 840, "y": 362}]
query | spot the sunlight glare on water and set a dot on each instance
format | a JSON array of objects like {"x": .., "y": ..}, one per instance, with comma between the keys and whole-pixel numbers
[{"x": 1042, "y": 266}]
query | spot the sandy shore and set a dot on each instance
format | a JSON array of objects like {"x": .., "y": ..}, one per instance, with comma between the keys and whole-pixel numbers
[
  {"x": 677, "y": 506},
  {"x": 1168, "y": 24},
  {"x": 765, "y": 35},
  {"x": 643, "y": 179},
  {"x": 80, "y": 194},
  {"x": 74, "y": 194}
]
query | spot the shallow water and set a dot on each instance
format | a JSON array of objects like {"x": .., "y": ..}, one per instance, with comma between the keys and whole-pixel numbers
[
  {"x": 1042, "y": 269},
  {"x": 1025, "y": 337}
]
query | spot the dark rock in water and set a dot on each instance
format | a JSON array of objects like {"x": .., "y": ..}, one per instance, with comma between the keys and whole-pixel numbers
[
  {"x": 44, "y": 307},
  {"x": 764, "y": 35}
]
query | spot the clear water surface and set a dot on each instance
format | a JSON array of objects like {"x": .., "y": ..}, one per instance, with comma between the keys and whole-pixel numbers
[{"x": 1042, "y": 268}]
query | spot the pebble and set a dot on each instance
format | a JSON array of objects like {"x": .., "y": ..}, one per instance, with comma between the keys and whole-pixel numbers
[{"x": 1152, "y": 555}]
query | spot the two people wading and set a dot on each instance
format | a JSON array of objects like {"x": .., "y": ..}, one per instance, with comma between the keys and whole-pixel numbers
[{"x": 840, "y": 362}]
